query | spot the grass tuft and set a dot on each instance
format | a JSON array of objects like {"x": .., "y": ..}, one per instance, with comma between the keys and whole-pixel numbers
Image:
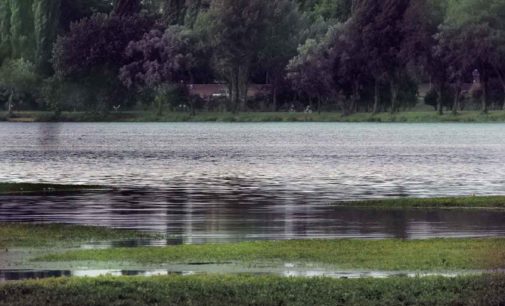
[
  {"x": 137, "y": 116},
  {"x": 390, "y": 255},
  {"x": 22, "y": 188},
  {"x": 448, "y": 202},
  {"x": 255, "y": 290},
  {"x": 42, "y": 235}
]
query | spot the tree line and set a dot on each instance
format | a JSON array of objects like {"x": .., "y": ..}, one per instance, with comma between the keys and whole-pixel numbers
[{"x": 343, "y": 55}]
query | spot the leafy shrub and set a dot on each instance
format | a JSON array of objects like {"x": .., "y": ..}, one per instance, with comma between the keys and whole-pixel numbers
[{"x": 19, "y": 83}]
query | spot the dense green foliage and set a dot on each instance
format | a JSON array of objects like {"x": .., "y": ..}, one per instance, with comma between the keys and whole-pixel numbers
[
  {"x": 332, "y": 55},
  {"x": 256, "y": 290},
  {"x": 18, "y": 78},
  {"x": 398, "y": 255}
]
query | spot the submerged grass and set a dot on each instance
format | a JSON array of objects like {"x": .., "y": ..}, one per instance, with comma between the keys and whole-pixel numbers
[
  {"x": 449, "y": 202},
  {"x": 43, "y": 235},
  {"x": 22, "y": 188},
  {"x": 412, "y": 116},
  {"x": 256, "y": 290},
  {"x": 395, "y": 255}
]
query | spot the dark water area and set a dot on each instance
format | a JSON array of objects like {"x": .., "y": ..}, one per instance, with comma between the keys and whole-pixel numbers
[{"x": 186, "y": 219}]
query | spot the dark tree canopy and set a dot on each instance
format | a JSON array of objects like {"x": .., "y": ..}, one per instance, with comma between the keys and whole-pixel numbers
[
  {"x": 350, "y": 55},
  {"x": 158, "y": 58},
  {"x": 97, "y": 42},
  {"x": 126, "y": 7}
]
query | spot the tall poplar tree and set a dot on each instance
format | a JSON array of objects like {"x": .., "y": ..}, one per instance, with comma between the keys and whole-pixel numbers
[
  {"x": 22, "y": 29},
  {"x": 46, "y": 18},
  {"x": 5, "y": 30}
]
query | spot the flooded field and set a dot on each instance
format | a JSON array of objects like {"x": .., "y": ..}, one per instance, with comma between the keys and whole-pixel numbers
[{"x": 209, "y": 182}]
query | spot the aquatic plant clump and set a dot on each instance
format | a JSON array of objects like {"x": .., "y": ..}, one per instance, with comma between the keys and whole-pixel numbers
[
  {"x": 476, "y": 202},
  {"x": 23, "y": 188},
  {"x": 51, "y": 235}
]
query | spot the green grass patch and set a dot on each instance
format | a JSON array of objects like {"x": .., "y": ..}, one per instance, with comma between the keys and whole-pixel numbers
[
  {"x": 256, "y": 290},
  {"x": 449, "y": 202},
  {"x": 394, "y": 255},
  {"x": 138, "y": 116},
  {"x": 21, "y": 188},
  {"x": 41, "y": 235}
]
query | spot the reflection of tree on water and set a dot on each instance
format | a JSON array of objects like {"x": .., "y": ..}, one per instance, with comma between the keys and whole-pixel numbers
[
  {"x": 199, "y": 213},
  {"x": 398, "y": 224},
  {"x": 15, "y": 275},
  {"x": 21, "y": 275},
  {"x": 49, "y": 135}
]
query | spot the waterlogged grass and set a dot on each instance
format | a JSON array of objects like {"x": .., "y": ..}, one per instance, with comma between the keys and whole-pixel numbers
[
  {"x": 449, "y": 202},
  {"x": 22, "y": 188},
  {"x": 394, "y": 255},
  {"x": 44, "y": 235},
  {"x": 255, "y": 290},
  {"x": 414, "y": 116}
]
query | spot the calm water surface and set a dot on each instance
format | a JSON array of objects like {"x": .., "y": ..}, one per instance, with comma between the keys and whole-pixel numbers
[{"x": 210, "y": 181}]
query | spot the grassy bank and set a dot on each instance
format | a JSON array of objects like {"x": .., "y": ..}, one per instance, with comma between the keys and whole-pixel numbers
[
  {"x": 420, "y": 117},
  {"x": 395, "y": 255},
  {"x": 256, "y": 290},
  {"x": 22, "y": 188},
  {"x": 449, "y": 202},
  {"x": 49, "y": 235}
]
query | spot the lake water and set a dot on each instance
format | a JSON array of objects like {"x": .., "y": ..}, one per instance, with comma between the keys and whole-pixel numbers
[{"x": 211, "y": 182}]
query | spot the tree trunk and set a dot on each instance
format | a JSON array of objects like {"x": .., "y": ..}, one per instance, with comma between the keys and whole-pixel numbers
[
  {"x": 319, "y": 105},
  {"x": 501, "y": 77},
  {"x": 192, "y": 106},
  {"x": 234, "y": 92},
  {"x": 455, "y": 106},
  {"x": 243, "y": 84},
  {"x": 503, "y": 104},
  {"x": 10, "y": 102},
  {"x": 440, "y": 105},
  {"x": 484, "y": 98},
  {"x": 394, "y": 96},
  {"x": 274, "y": 98},
  {"x": 355, "y": 98},
  {"x": 376, "y": 98}
]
